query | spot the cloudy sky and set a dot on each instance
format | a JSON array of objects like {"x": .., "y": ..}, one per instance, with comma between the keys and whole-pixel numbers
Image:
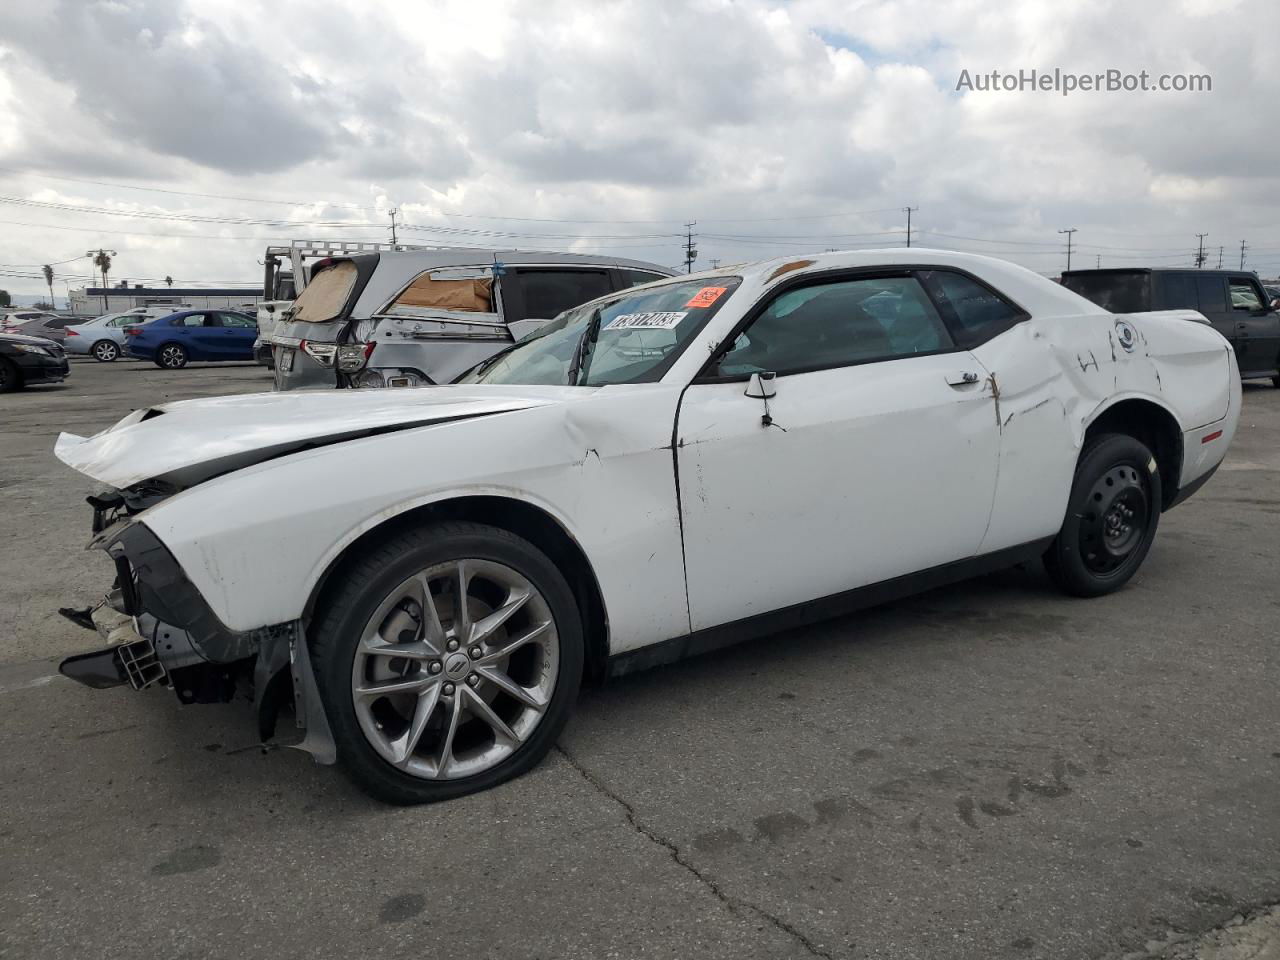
[{"x": 186, "y": 136}]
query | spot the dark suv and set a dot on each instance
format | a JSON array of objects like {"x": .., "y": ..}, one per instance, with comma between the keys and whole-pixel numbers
[{"x": 1233, "y": 301}]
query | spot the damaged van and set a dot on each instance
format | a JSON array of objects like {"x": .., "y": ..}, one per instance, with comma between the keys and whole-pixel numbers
[{"x": 420, "y": 317}]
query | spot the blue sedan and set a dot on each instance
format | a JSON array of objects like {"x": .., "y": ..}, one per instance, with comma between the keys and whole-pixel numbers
[{"x": 172, "y": 341}]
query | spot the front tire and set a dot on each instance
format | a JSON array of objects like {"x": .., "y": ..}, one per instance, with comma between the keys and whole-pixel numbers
[
  {"x": 105, "y": 351},
  {"x": 1111, "y": 520},
  {"x": 429, "y": 698},
  {"x": 10, "y": 376},
  {"x": 171, "y": 356}
]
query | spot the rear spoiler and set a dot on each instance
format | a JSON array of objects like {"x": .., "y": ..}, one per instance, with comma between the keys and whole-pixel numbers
[{"x": 1180, "y": 314}]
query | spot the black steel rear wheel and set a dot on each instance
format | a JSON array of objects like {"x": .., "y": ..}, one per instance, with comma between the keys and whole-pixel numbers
[{"x": 1111, "y": 520}]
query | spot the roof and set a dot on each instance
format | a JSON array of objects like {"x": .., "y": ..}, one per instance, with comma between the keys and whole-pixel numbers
[
  {"x": 396, "y": 269},
  {"x": 1197, "y": 270},
  {"x": 1026, "y": 288},
  {"x": 173, "y": 291}
]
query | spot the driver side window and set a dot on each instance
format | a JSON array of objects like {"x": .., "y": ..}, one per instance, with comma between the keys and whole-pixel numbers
[{"x": 838, "y": 324}]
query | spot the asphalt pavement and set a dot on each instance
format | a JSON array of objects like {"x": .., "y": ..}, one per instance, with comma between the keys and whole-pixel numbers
[{"x": 988, "y": 770}]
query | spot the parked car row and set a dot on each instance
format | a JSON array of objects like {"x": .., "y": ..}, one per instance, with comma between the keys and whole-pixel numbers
[
  {"x": 423, "y": 577},
  {"x": 103, "y": 337}
]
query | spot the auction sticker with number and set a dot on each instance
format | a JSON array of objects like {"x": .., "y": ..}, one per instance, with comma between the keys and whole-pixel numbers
[
  {"x": 646, "y": 321},
  {"x": 706, "y": 296}
]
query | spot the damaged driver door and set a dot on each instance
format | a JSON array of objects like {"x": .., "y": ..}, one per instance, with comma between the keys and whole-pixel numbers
[{"x": 869, "y": 454}]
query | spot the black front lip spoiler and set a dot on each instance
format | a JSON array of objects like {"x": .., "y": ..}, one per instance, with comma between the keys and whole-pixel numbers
[{"x": 99, "y": 669}]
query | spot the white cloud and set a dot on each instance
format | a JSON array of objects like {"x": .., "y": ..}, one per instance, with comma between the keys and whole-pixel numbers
[{"x": 755, "y": 118}]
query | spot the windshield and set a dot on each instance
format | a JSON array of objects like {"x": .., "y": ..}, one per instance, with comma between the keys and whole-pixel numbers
[
  {"x": 1117, "y": 291},
  {"x": 326, "y": 295},
  {"x": 637, "y": 336}
]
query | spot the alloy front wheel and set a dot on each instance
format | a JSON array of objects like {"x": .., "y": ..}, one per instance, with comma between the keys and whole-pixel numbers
[
  {"x": 455, "y": 669},
  {"x": 448, "y": 658}
]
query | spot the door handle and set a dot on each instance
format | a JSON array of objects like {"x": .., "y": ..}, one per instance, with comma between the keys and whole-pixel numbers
[{"x": 962, "y": 378}]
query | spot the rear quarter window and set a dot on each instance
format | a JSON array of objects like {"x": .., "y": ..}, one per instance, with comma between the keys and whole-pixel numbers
[{"x": 445, "y": 290}]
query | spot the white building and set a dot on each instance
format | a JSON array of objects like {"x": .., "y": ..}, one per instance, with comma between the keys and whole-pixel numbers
[{"x": 95, "y": 301}]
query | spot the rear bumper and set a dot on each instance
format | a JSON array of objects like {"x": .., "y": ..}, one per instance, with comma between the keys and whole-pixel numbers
[
  {"x": 139, "y": 351},
  {"x": 1204, "y": 448}
]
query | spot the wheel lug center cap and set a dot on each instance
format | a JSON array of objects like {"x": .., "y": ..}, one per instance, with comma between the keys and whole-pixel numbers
[{"x": 457, "y": 666}]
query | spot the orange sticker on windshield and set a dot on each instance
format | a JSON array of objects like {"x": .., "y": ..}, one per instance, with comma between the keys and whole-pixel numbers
[{"x": 706, "y": 296}]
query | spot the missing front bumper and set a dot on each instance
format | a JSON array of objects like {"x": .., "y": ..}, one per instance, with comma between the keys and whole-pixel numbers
[{"x": 129, "y": 656}]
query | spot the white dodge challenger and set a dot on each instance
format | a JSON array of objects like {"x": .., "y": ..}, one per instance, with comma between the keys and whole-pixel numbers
[{"x": 421, "y": 579}]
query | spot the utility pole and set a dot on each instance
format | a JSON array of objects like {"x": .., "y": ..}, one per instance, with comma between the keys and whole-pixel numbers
[
  {"x": 909, "y": 211},
  {"x": 1242, "y": 247},
  {"x": 1098, "y": 262},
  {"x": 1219, "y": 257},
  {"x": 1200, "y": 257},
  {"x": 392, "y": 214},
  {"x": 1069, "y": 231},
  {"x": 715, "y": 263},
  {"x": 690, "y": 251}
]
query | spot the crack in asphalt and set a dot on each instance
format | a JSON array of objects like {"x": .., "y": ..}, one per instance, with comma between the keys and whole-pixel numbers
[{"x": 735, "y": 906}]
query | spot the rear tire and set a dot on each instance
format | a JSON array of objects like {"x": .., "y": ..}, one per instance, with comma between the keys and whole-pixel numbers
[
  {"x": 10, "y": 376},
  {"x": 1112, "y": 516},
  {"x": 171, "y": 356},
  {"x": 374, "y": 629},
  {"x": 105, "y": 351}
]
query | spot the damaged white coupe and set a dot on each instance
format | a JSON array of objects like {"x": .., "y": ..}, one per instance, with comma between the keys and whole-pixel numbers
[{"x": 419, "y": 581}]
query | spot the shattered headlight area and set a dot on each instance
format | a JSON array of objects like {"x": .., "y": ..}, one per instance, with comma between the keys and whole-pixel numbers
[{"x": 158, "y": 631}]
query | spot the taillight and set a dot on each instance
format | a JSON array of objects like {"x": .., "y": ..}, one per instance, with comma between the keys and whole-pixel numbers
[
  {"x": 71, "y": 333},
  {"x": 353, "y": 356},
  {"x": 321, "y": 353},
  {"x": 132, "y": 331}
]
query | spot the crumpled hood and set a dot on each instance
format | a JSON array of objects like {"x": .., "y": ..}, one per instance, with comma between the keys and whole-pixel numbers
[{"x": 191, "y": 440}]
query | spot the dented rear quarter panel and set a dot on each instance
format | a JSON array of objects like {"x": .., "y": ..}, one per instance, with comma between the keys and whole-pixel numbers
[{"x": 1054, "y": 375}]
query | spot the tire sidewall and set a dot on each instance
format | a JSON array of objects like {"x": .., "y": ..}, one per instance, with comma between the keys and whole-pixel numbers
[
  {"x": 1068, "y": 564},
  {"x": 338, "y": 633},
  {"x": 12, "y": 378}
]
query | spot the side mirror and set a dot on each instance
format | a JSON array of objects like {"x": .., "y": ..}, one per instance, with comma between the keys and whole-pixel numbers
[{"x": 762, "y": 386}]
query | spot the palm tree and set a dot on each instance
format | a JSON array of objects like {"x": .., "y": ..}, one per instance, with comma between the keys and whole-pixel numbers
[
  {"x": 48, "y": 278},
  {"x": 168, "y": 281},
  {"x": 102, "y": 260}
]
